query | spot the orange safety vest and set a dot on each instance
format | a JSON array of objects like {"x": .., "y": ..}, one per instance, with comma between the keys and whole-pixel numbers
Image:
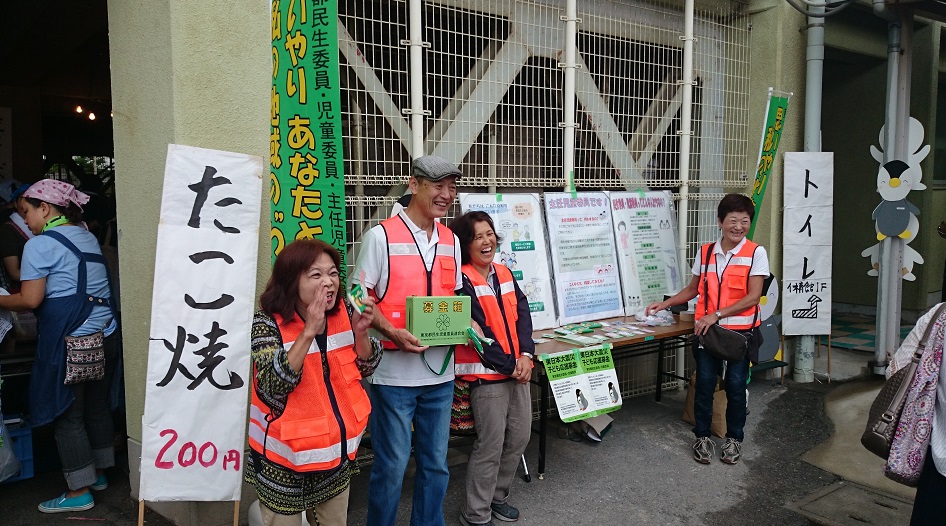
[
  {"x": 408, "y": 274},
  {"x": 307, "y": 436},
  {"x": 469, "y": 367},
  {"x": 734, "y": 285}
]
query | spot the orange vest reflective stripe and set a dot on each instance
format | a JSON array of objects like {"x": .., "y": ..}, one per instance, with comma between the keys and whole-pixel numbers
[
  {"x": 408, "y": 275},
  {"x": 307, "y": 436},
  {"x": 468, "y": 364},
  {"x": 734, "y": 287}
]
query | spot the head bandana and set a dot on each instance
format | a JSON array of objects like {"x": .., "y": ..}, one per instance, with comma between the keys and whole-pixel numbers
[{"x": 58, "y": 193}]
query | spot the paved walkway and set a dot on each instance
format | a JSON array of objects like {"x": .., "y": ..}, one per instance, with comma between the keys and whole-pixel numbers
[{"x": 800, "y": 438}]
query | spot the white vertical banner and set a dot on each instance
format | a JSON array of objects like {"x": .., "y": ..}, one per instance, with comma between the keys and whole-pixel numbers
[
  {"x": 807, "y": 231},
  {"x": 646, "y": 234},
  {"x": 581, "y": 239},
  {"x": 194, "y": 423},
  {"x": 518, "y": 220}
]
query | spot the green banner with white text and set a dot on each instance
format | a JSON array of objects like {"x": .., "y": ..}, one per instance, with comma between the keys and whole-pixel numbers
[
  {"x": 772, "y": 135},
  {"x": 307, "y": 176}
]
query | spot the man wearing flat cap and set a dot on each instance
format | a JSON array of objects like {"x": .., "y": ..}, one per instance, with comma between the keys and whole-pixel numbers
[{"x": 411, "y": 254}]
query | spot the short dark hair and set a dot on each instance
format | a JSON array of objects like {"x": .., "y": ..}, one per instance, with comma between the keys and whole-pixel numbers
[
  {"x": 463, "y": 226},
  {"x": 282, "y": 291},
  {"x": 735, "y": 203},
  {"x": 72, "y": 211}
]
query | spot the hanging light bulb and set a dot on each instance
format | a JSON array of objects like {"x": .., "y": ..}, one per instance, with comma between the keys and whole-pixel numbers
[
  {"x": 91, "y": 116},
  {"x": 79, "y": 109}
]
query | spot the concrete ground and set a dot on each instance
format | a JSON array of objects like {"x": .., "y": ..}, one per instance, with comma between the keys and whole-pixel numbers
[{"x": 800, "y": 439}]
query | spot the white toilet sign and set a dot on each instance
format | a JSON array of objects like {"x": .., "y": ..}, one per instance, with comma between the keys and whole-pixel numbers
[{"x": 807, "y": 232}]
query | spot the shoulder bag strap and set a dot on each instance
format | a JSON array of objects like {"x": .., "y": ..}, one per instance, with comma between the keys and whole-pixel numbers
[
  {"x": 758, "y": 310},
  {"x": 926, "y": 334},
  {"x": 705, "y": 258}
]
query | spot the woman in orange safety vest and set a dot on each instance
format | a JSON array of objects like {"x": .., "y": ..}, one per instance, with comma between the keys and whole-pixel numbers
[
  {"x": 308, "y": 410},
  {"x": 499, "y": 396},
  {"x": 728, "y": 275}
]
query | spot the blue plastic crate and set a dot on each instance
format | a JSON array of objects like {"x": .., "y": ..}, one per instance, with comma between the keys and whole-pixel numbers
[{"x": 22, "y": 437}]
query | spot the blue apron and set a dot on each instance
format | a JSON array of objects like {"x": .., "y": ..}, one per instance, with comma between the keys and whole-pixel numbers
[{"x": 57, "y": 318}]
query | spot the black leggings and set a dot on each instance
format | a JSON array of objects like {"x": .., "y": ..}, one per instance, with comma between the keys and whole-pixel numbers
[{"x": 928, "y": 506}]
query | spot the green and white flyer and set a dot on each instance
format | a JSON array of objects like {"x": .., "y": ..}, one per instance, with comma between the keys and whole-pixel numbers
[{"x": 583, "y": 382}]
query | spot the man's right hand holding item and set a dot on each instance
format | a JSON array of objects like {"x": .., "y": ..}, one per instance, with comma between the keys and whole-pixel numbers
[
  {"x": 402, "y": 338},
  {"x": 406, "y": 341}
]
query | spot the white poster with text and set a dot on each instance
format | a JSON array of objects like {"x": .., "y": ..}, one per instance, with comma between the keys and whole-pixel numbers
[
  {"x": 646, "y": 234},
  {"x": 584, "y": 260},
  {"x": 518, "y": 221},
  {"x": 194, "y": 423}
]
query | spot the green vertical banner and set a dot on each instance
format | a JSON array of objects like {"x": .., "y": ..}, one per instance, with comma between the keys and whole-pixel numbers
[
  {"x": 771, "y": 136},
  {"x": 307, "y": 169}
]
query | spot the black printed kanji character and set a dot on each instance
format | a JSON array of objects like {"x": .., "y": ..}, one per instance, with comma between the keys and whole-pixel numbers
[
  {"x": 336, "y": 220},
  {"x": 207, "y": 364},
  {"x": 335, "y": 202},
  {"x": 177, "y": 349},
  {"x": 211, "y": 361}
]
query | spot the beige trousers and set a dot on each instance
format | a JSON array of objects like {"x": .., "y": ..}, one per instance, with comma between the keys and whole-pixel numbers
[{"x": 333, "y": 512}]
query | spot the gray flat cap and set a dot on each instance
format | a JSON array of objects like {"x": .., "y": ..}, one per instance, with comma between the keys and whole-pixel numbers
[{"x": 434, "y": 168}]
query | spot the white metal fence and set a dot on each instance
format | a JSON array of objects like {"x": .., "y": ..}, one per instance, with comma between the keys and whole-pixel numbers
[
  {"x": 493, "y": 99},
  {"x": 492, "y": 84}
]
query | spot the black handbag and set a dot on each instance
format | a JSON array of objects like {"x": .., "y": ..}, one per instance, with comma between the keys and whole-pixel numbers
[
  {"x": 720, "y": 342},
  {"x": 723, "y": 343},
  {"x": 888, "y": 406}
]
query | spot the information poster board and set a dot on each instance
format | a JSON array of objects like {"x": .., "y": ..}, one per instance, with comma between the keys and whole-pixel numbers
[
  {"x": 583, "y": 382},
  {"x": 584, "y": 259},
  {"x": 807, "y": 233},
  {"x": 645, "y": 231},
  {"x": 518, "y": 220},
  {"x": 194, "y": 423}
]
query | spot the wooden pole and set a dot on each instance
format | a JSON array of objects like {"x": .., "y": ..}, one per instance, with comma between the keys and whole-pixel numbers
[
  {"x": 236, "y": 513},
  {"x": 141, "y": 513}
]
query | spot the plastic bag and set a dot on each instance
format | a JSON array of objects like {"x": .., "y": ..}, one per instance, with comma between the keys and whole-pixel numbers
[{"x": 9, "y": 465}]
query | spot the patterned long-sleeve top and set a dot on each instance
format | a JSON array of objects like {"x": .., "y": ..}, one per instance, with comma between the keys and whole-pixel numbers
[{"x": 281, "y": 489}]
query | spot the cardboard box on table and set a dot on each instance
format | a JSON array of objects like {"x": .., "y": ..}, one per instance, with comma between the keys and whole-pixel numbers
[{"x": 438, "y": 320}]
